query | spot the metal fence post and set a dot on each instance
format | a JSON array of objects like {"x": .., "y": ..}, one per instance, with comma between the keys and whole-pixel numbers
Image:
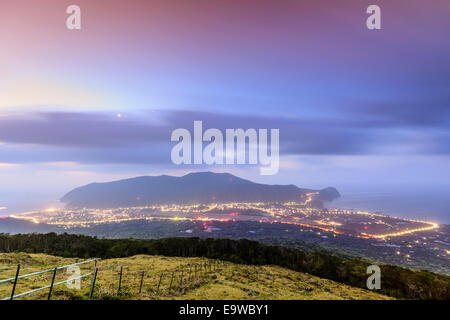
[
  {"x": 171, "y": 280},
  {"x": 181, "y": 279},
  {"x": 15, "y": 282},
  {"x": 120, "y": 279},
  {"x": 159, "y": 283},
  {"x": 94, "y": 277},
  {"x": 142, "y": 282},
  {"x": 51, "y": 286}
]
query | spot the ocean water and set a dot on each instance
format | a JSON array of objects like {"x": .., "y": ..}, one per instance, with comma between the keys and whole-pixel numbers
[
  {"x": 429, "y": 204},
  {"x": 16, "y": 202}
]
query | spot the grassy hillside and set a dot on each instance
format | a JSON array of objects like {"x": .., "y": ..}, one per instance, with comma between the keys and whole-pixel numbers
[
  {"x": 397, "y": 282},
  {"x": 225, "y": 281}
]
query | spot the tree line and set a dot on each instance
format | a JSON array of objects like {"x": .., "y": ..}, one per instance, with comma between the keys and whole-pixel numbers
[{"x": 395, "y": 281}]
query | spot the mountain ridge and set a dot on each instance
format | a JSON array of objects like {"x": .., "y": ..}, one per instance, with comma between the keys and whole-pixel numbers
[{"x": 197, "y": 187}]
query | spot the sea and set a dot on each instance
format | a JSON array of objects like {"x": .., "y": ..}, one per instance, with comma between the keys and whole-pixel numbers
[{"x": 425, "y": 203}]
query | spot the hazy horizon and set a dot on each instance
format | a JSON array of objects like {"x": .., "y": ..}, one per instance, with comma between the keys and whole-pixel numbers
[{"x": 423, "y": 202}]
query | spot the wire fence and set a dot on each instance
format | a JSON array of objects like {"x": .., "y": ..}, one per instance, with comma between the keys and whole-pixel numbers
[
  {"x": 166, "y": 282},
  {"x": 163, "y": 283},
  {"x": 53, "y": 271}
]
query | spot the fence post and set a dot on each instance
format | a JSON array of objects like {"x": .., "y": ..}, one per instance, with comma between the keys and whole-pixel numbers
[
  {"x": 15, "y": 281},
  {"x": 51, "y": 286},
  {"x": 181, "y": 279},
  {"x": 120, "y": 279},
  {"x": 171, "y": 280},
  {"x": 159, "y": 283},
  {"x": 94, "y": 277},
  {"x": 142, "y": 282}
]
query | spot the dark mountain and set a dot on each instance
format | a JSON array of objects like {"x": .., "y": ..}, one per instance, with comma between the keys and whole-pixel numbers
[{"x": 200, "y": 187}]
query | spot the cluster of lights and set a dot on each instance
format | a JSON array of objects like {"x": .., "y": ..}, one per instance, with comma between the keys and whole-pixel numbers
[
  {"x": 287, "y": 213},
  {"x": 405, "y": 232}
]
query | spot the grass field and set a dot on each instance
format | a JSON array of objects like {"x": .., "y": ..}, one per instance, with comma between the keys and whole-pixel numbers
[{"x": 220, "y": 280}]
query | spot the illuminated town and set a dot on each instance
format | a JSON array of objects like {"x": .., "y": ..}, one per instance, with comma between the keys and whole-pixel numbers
[
  {"x": 353, "y": 223},
  {"x": 411, "y": 243}
]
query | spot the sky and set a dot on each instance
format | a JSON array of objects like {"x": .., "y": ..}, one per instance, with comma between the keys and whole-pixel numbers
[{"x": 355, "y": 107}]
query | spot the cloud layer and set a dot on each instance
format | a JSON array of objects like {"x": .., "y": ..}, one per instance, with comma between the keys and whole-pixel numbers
[{"x": 145, "y": 137}]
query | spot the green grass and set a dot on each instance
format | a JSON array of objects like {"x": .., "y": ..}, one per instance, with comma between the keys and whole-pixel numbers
[{"x": 225, "y": 281}]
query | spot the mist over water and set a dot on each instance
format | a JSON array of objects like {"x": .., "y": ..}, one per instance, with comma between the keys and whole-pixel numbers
[
  {"x": 424, "y": 203},
  {"x": 18, "y": 202}
]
